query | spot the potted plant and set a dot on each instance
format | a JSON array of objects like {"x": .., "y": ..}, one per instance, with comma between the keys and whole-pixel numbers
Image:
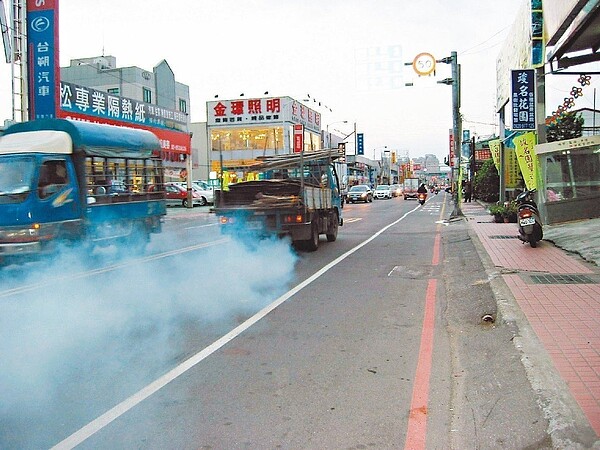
[
  {"x": 498, "y": 212},
  {"x": 509, "y": 214}
]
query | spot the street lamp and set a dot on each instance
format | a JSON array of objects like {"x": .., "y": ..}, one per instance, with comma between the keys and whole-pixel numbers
[
  {"x": 327, "y": 128},
  {"x": 378, "y": 148}
]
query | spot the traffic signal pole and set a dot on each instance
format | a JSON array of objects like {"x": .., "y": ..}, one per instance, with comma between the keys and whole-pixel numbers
[{"x": 456, "y": 129}]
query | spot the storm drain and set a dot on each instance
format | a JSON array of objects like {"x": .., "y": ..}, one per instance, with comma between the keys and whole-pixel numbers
[
  {"x": 503, "y": 236},
  {"x": 562, "y": 279}
]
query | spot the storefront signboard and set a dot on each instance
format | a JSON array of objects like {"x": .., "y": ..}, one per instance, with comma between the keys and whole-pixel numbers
[
  {"x": 256, "y": 111},
  {"x": 298, "y": 138},
  {"x": 43, "y": 58},
  {"x": 523, "y": 99}
]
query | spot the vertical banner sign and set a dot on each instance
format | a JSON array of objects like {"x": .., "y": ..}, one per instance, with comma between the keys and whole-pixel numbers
[
  {"x": 466, "y": 144},
  {"x": 537, "y": 34},
  {"x": 528, "y": 163},
  {"x": 360, "y": 144},
  {"x": 298, "y": 138},
  {"x": 451, "y": 142},
  {"x": 523, "y": 99},
  {"x": 43, "y": 69},
  {"x": 495, "y": 146}
]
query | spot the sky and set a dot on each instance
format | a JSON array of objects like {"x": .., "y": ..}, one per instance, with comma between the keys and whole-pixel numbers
[{"x": 327, "y": 49}]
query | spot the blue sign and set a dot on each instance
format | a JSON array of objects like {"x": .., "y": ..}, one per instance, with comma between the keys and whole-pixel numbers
[
  {"x": 360, "y": 144},
  {"x": 523, "y": 99},
  {"x": 42, "y": 43}
]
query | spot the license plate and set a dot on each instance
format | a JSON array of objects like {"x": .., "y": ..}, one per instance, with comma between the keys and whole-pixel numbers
[
  {"x": 527, "y": 221},
  {"x": 254, "y": 225}
]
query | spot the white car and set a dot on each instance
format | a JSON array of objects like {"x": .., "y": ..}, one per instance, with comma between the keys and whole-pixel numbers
[
  {"x": 382, "y": 191},
  {"x": 206, "y": 194}
]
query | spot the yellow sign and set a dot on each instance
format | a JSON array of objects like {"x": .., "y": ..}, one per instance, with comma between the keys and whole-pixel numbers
[
  {"x": 527, "y": 158},
  {"x": 495, "y": 149}
]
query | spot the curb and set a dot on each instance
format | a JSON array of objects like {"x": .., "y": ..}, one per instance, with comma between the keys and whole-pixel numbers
[{"x": 567, "y": 424}]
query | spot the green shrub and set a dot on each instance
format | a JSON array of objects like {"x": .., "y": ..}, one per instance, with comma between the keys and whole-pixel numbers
[{"x": 486, "y": 184}]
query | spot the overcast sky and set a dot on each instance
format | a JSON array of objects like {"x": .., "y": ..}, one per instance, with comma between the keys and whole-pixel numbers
[{"x": 319, "y": 47}]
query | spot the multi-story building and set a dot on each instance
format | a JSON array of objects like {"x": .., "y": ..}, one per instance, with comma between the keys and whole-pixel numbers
[
  {"x": 96, "y": 89},
  {"x": 157, "y": 87}
]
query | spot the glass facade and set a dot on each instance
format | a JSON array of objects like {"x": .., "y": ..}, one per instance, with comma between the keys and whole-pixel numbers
[
  {"x": 571, "y": 174},
  {"x": 252, "y": 140}
]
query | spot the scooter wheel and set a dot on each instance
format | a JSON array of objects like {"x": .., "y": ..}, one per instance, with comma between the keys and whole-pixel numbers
[{"x": 533, "y": 243}]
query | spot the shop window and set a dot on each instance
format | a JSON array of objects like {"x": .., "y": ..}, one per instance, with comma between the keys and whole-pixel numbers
[{"x": 572, "y": 174}]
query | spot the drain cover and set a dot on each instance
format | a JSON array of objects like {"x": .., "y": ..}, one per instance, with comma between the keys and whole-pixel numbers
[
  {"x": 504, "y": 236},
  {"x": 562, "y": 279}
]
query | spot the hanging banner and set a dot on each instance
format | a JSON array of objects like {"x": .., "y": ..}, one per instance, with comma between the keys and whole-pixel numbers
[
  {"x": 528, "y": 163},
  {"x": 495, "y": 150}
]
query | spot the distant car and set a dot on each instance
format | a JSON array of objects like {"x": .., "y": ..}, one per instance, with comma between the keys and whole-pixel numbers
[
  {"x": 396, "y": 190},
  {"x": 177, "y": 195},
  {"x": 207, "y": 194},
  {"x": 360, "y": 193},
  {"x": 382, "y": 191}
]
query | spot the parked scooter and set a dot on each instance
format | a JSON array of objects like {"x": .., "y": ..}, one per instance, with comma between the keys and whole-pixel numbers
[
  {"x": 530, "y": 225},
  {"x": 422, "y": 197}
]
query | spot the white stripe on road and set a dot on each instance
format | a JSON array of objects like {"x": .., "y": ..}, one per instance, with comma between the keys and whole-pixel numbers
[{"x": 96, "y": 425}]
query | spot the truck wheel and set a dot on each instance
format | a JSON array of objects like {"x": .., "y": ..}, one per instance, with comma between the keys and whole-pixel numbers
[
  {"x": 313, "y": 243},
  {"x": 332, "y": 230}
]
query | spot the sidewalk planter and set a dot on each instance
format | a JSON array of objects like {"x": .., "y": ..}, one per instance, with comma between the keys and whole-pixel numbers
[
  {"x": 510, "y": 212},
  {"x": 498, "y": 212}
]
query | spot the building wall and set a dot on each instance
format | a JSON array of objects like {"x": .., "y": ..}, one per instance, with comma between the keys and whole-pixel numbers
[
  {"x": 102, "y": 73},
  {"x": 200, "y": 152}
]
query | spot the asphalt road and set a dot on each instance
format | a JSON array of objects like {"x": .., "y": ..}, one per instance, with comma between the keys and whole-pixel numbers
[{"x": 377, "y": 340}]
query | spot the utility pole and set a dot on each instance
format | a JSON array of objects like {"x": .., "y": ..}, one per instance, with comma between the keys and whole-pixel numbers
[{"x": 456, "y": 127}]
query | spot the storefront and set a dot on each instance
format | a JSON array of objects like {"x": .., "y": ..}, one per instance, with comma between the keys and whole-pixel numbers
[
  {"x": 570, "y": 174},
  {"x": 243, "y": 130}
]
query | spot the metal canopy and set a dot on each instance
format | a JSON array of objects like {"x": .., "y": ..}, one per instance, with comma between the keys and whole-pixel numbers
[{"x": 582, "y": 35}]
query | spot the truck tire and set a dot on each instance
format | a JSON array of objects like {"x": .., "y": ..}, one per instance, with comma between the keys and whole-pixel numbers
[
  {"x": 312, "y": 244},
  {"x": 332, "y": 229}
]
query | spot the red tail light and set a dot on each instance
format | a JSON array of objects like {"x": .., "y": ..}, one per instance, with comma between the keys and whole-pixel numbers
[{"x": 525, "y": 213}]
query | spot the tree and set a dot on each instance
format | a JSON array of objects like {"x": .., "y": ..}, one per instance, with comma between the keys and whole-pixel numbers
[
  {"x": 568, "y": 126},
  {"x": 486, "y": 184}
]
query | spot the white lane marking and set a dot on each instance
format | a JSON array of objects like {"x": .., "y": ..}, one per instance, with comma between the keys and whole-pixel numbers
[
  {"x": 88, "y": 273},
  {"x": 100, "y": 422},
  {"x": 201, "y": 226}
]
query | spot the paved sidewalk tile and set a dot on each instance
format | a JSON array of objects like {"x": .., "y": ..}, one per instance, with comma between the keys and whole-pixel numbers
[{"x": 564, "y": 315}]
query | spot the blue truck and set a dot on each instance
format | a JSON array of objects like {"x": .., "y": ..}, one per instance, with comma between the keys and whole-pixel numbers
[
  {"x": 295, "y": 195},
  {"x": 67, "y": 182}
]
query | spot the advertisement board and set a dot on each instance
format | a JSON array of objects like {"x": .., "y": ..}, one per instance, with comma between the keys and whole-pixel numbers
[
  {"x": 256, "y": 111},
  {"x": 523, "y": 99},
  {"x": 298, "y": 138},
  {"x": 43, "y": 58}
]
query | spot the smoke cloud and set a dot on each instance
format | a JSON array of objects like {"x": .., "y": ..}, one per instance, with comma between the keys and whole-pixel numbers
[{"x": 90, "y": 341}]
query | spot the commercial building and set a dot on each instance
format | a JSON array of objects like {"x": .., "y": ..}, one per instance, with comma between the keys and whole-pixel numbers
[
  {"x": 241, "y": 130},
  {"x": 95, "y": 89}
]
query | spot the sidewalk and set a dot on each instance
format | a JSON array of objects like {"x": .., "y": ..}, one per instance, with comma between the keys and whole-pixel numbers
[{"x": 558, "y": 293}]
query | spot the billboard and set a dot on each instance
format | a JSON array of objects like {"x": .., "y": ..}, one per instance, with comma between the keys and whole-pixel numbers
[
  {"x": 43, "y": 58},
  {"x": 256, "y": 111},
  {"x": 523, "y": 99}
]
